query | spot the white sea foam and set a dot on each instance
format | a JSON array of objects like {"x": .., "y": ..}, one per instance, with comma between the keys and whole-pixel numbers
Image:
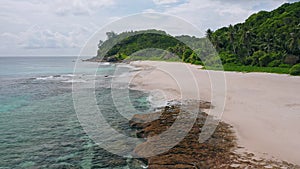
[
  {"x": 68, "y": 75},
  {"x": 157, "y": 99},
  {"x": 105, "y": 63},
  {"x": 74, "y": 81},
  {"x": 45, "y": 78},
  {"x": 143, "y": 166}
]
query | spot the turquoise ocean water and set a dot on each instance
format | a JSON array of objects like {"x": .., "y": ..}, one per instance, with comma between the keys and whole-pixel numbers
[{"x": 38, "y": 124}]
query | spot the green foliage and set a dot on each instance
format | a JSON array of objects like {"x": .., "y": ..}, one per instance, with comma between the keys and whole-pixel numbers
[
  {"x": 143, "y": 40},
  {"x": 111, "y": 34},
  {"x": 254, "y": 60},
  {"x": 108, "y": 46},
  {"x": 247, "y": 69},
  {"x": 295, "y": 70},
  {"x": 264, "y": 60},
  {"x": 197, "y": 62},
  {"x": 274, "y": 63},
  {"x": 282, "y": 65},
  {"x": 186, "y": 55},
  {"x": 264, "y": 37},
  {"x": 265, "y": 42},
  {"x": 121, "y": 56},
  {"x": 229, "y": 58},
  {"x": 128, "y": 43},
  {"x": 228, "y": 67}
]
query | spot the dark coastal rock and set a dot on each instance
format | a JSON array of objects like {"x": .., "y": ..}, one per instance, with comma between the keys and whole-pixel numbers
[
  {"x": 216, "y": 152},
  {"x": 94, "y": 59},
  {"x": 111, "y": 59},
  {"x": 137, "y": 163}
]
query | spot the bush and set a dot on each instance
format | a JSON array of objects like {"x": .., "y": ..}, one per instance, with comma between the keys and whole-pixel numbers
[
  {"x": 295, "y": 70},
  {"x": 121, "y": 56},
  {"x": 227, "y": 57},
  {"x": 274, "y": 63},
  {"x": 264, "y": 60},
  {"x": 254, "y": 60},
  {"x": 283, "y": 65},
  {"x": 197, "y": 62}
]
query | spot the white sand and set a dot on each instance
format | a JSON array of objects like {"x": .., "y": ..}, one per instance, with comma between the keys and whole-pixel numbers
[{"x": 263, "y": 108}]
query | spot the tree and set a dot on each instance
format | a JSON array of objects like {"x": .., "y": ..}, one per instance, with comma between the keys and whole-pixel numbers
[
  {"x": 186, "y": 55},
  {"x": 231, "y": 35},
  {"x": 209, "y": 33},
  {"x": 100, "y": 43},
  {"x": 245, "y": 40},
  {"x": 293, "y": 43},
  {"x": 111, "y": 34}
]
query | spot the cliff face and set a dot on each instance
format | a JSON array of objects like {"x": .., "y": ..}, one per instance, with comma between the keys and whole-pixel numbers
[{"x": 217, "y": 152}]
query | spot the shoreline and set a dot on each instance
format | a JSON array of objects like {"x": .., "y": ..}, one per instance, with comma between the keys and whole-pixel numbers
[
  {"x": 219, "y": 151},
  {"x": 260, "y": 127}
]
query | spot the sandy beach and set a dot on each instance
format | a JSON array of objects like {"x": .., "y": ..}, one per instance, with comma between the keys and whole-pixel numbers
[{"x": 263, "y": 108}]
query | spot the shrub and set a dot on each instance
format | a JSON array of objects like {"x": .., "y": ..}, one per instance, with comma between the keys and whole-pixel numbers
[
  {"x": 264, "y": 60},
  {"x": 254, "y": 60},
  {"x": 274, "y": 63},
  {"x": 227, "y": 57},
  {"x": 283, "y": 65},
  {"x": 197, "y": 62},
  {"x": 295, "y": 70}
]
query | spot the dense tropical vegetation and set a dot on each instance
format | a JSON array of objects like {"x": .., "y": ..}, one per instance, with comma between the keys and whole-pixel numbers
[
  {"x": 154, "y": 45},
  {"x": 266, "y": 41}
]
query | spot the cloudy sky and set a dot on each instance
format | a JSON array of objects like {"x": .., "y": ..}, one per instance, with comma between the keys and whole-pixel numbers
[{"x": 62, "y": 27}]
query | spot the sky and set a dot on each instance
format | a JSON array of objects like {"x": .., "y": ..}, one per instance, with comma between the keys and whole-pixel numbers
[{"x": 62, "y": 27}]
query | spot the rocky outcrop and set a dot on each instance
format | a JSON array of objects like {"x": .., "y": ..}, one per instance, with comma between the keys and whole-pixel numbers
[
  {"x": 112, "y": 59},
  {"x": 216, "y": 152}
]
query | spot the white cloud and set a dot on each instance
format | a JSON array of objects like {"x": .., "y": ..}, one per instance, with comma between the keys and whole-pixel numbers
[
  {"x": 41, "y": 38},
  {"x": 36, "y": 38},
  {"x": 59, "y": 7},
  {"x": 8, "y": 39},
  {"x": 67, "y": 24},
  {"x": 54, "y": 33},
  {"x": 12, "y": 18},
  {"x": 149, "y": 11},
  {"x": 80, "y": 7},
  {"x": 163, "y": 2},
  {"x": 218, "y": 13}
]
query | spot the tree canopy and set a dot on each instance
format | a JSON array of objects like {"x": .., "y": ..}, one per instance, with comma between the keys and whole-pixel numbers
[{"x": 265, "y": 39}]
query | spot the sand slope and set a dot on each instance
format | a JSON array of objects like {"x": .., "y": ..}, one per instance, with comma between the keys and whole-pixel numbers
[{"x": 263, "y": 108}]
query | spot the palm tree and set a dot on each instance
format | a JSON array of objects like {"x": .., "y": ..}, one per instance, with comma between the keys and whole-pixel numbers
[
  {"x": 269, "y": 40},
  {"x": 245, "y": 39},
  {"x": 293, "y": 43},
  {"x": 231, "y": 35},
  {"x": 100, "y": 43},
  {"x": 209, "y": 33}
]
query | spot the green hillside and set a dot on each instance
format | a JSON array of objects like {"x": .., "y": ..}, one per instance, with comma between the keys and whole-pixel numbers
[
  {"x": 145, "y": 44},
  {"x": 266, "y": 41}
]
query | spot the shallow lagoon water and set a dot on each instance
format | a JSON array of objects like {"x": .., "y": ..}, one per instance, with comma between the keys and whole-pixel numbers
[{"x": 38, "y": 124}]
